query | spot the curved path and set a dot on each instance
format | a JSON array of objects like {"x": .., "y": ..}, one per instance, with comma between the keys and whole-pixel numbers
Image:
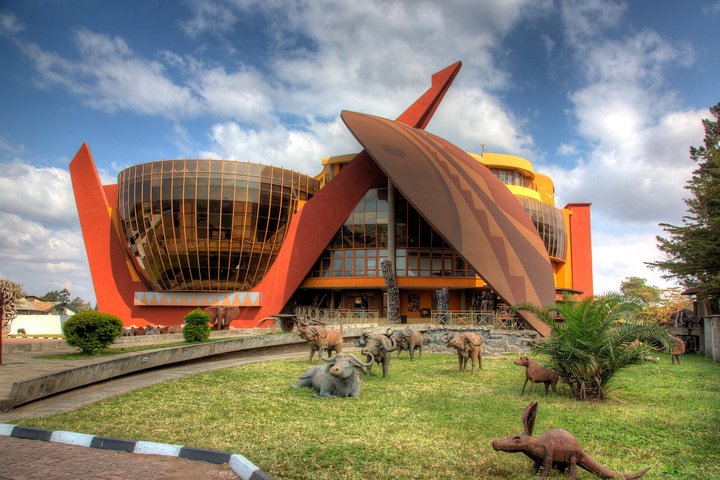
[
  {"x": 79, "y": 397},
  {"x": 32, "y": 459}
]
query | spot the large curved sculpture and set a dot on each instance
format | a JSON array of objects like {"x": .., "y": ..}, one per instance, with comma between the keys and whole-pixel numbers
[{"x": 466, "y": 204}]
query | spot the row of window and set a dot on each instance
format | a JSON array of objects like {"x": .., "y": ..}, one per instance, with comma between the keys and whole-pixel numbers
[
  {"x": 513, "y": 177},
  {"x": 408, "y": 263},
  {"x": 361, "y": 242},
  {"x": 207, "y": 224}
]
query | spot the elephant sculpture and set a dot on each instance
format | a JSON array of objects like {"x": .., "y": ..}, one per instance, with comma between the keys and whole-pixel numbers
[
  {"x": 377, "y": 347},
  {"x": 220, "y": 317},
  {"x": 407, "y": 339},
  {"x": 468, "y": 347},
  {"x": 341, "y": 378}
]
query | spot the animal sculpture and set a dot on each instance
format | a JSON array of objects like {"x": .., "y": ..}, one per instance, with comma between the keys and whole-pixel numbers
[
  {"x": 377, "y": 347},
  {"x": 677, "y": 350},
  {"x": 536, "y": 373},
  {"x": 468, "y": 347},
  {"x": 319, "y": 336},
  {"x": 555, "y": 448},
  {"x": 221, "y": 317},
  {"x": 341, "y": 378},
  {"x": 407, "y": 339}
]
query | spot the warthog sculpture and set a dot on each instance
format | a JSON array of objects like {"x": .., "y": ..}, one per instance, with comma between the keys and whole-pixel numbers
[
  {"x": 376, "y": 347},
  {"x": 555, "y": 448},
  {"x": 407, "y": 339},
  {"x": 468, "y": 347},
  {"x": 341, "y": 378},
  {"x": 536, "y": 373}
]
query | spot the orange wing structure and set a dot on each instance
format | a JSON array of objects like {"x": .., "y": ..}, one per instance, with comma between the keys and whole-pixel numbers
[{"x": 464, "y": 202}]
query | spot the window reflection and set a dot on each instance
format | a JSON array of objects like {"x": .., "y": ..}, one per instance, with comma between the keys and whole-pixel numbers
[{"x": 362, "y": 243}]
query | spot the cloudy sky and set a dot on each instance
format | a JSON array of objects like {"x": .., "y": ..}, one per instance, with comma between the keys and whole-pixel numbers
[{"x": 604, "y": 96}]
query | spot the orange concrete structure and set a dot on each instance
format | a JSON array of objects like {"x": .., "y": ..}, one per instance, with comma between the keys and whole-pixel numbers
[{"x": 179, "y": 234}]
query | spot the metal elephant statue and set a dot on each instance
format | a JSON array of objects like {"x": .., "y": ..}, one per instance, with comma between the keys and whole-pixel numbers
[{"x": 220, "y": 317}]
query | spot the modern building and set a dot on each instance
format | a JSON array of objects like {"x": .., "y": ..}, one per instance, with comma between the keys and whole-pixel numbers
[{"x": 174, "y": 235}]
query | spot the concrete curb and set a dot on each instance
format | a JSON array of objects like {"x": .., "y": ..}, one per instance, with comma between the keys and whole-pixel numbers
[{"x": 242, "y": 467}]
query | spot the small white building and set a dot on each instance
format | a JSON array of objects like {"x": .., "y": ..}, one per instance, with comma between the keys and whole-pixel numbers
[{"x": 38, "y": 317}]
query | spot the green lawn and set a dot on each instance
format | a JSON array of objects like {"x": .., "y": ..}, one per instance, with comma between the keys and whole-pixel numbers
[
  {"x": 116, "y": 349},
  {"x": 425, "y": 421}
]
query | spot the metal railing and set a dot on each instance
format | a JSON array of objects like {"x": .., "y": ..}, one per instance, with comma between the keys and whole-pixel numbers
[
  {"x": 336, "y": 316},
  {"x": 502, "y": 318}
]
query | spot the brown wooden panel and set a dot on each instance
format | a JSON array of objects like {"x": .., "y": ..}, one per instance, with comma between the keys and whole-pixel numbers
[{"x": 466, "y": 204}]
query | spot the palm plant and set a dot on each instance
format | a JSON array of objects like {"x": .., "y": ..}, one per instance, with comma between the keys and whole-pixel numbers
[{"x": 589, "y": 340}]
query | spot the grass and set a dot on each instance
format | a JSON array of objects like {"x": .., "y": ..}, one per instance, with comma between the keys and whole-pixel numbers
[
  {"x": 115, "y": 350},
  {"x": 425, "y": 421}
]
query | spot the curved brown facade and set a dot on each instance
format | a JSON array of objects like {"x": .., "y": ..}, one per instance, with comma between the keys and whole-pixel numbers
[
  {"x": 207, "y": 225},
  {"x": 466, "y": 204}
]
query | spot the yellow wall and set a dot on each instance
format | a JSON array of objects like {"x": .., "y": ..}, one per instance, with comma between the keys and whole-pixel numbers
[
  {"x": 503, "y": 160},
  {"x": 546, "y": 189}
]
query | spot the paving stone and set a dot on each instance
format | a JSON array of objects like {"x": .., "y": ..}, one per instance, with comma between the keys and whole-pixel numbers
[{"x": 34, "y": 459}]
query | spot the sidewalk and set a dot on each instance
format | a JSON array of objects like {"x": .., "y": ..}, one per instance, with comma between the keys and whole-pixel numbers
[{"x": 37, "y": 460}]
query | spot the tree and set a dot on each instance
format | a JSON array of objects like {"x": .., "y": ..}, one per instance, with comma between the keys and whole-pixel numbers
[
  {"x": 692, "y": 251},
  {"x": 9, "y": 292},
  {"x": 637, "y": 287},
  {"x": 588, "y": 342},
  {"x": 663, "y": 311},
  {"x": 57, "y": 296},
  {"x": 81, "y": 305}
]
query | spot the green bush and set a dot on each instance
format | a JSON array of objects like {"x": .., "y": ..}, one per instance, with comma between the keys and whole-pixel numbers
[
  {"x": 92, "y": 331},
  {"x": 197, "y": 326}
]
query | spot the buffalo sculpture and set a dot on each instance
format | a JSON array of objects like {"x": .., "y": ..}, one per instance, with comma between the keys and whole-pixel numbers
[
  {"x": 407, "y": 339},
  {"x": 341, "y": 378},
  {"x": 468, "y": 347},
  {"x": 319, "y": 336},
  {"x": 377, "y": 348},
  {"x": 314, "y": 332},
  {"x": 555, "y": 448}
]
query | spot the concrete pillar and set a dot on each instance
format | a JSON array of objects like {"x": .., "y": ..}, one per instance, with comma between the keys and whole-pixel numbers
[{"x": 712, "y": 337}]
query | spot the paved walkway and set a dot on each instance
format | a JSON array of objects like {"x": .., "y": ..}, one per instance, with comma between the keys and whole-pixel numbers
[
  {"x": 33, "y": 459},
  {"x": 37, "y": 460}
]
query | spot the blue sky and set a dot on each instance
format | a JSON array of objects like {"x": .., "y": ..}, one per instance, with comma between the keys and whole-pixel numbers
[{"x": 604, "y": 96}]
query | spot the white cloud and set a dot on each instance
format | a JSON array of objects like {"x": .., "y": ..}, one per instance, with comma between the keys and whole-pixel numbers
[
  {"x": 567, "y": 150},
  {"x": 109, "y": 76},
  {"x": 279, "y": 146},
  {"x": 9, "y": 25},
  {"x": 471, "y": 117},
  {"x": 585, "y": 20},
  {"x": 618, "y": 255},
  {"x": 637, "y": 134},
  {"x": 37, "y": 194},
  {"x": 41, "y": 245},
  {"x": 712, "y": 8},
  {"x": 243, "y": 95}
]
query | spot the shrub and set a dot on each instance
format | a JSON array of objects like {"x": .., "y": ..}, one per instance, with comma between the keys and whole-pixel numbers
[
  {"x": 92, "y": 331},
  {"x": 197, "y": 326},
  {"x": 589, "y": 345}
]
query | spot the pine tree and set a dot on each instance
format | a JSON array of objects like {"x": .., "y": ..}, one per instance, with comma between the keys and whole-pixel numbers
[{"x": 692, "y": 251}]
